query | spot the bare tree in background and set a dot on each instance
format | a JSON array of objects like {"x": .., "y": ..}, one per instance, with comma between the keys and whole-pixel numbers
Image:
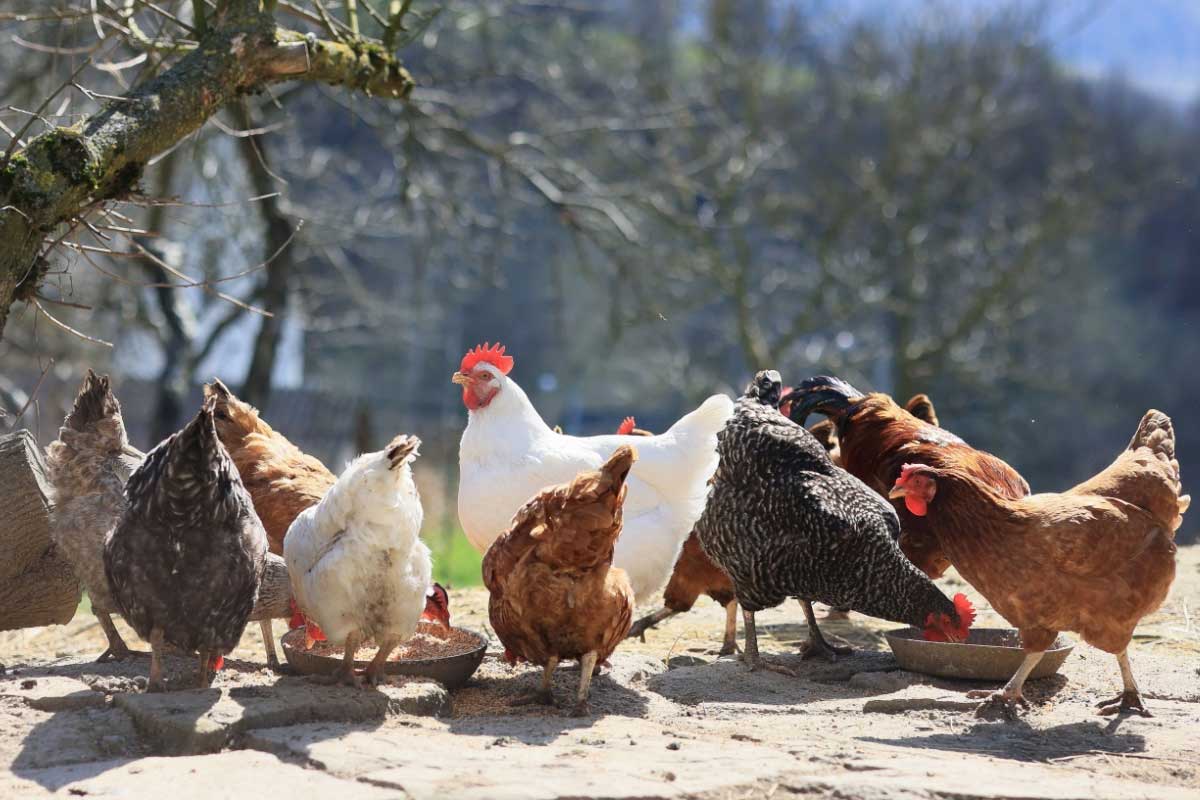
[{"x": 189, "y": 59}]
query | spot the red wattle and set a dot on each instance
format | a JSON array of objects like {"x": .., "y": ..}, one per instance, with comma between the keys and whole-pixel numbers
[{"x": 916, "y": 505}]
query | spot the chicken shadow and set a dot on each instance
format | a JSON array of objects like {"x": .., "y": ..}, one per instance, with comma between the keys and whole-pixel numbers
[
  {"x": 1017, "y": 740},
  {"x": 489, "y": 704},
  {"x": 86, "y": 735},
  {"x": 728, "y": 680}
]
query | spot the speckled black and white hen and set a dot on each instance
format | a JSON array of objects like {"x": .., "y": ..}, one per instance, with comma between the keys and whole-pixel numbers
[
  {"x": 185, "y": 561},
  {"x": 783, "y": 521}
]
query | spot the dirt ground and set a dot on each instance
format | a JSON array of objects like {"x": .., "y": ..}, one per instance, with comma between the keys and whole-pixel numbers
[{"x": 669, "y": 718}]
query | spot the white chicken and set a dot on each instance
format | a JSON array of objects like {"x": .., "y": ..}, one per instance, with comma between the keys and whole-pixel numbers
[
  {"x": 357, "y": 562},
  {"x": 508, "y": 454}
]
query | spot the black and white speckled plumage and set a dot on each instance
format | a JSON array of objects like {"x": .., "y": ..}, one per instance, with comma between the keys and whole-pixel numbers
[
  {"x": 784, "y": 521},
  {"x": 188, "y": 554}
]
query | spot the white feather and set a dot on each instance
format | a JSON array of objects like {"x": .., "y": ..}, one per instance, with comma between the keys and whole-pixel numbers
[
  {"x": 508, "y": 453},
  {"x": 356, "y": 559}
]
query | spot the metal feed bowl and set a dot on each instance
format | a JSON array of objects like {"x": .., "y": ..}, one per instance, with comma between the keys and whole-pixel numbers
[
  {"x": 451, "y": 671},
  {"x": 989, "y": 654}
]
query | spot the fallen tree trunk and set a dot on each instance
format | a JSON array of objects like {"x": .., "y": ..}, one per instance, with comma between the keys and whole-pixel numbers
[{"x": 37, "y": 586}]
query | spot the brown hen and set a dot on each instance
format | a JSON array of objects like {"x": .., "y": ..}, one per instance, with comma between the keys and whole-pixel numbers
[
  {"x": 875, "y": 437},
  {"x": 1094, "y": 559},
  {"x": 554, "y": 592},
  {"x": 282, "y": 479}
]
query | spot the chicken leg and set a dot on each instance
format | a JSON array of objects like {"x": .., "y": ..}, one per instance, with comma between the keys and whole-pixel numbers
[
  {"x": 1010, "y": 695},
  {"x": 345, "y": 674},
  {"x": 117, "y": 649},
  {"x": 206, "y": 676},
  {"x": 268, "y": 637},
  {"x": 1128, "y": 700},
  {"x": 729, "y": 646},
  {"x": 587, "y": 665},
  {"x": 375, "y": 672},
  {"x": 156, "y": 683},
  {"x": 750, "y": 654},
  {"x": 816, "y": 644},
  {"x": 543, "y": 696},
  {"x": 647, "y": 622}
]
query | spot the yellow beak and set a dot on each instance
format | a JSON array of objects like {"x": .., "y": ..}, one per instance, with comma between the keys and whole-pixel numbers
[
  {"x": 897, "y": 492},
  {"x": 460, "y": 378}
]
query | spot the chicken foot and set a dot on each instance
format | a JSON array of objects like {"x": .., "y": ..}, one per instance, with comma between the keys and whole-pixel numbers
[
  {"x": 543, "y": 696},
  {"x": 729, "y": 645},
  {"x": 156, "y": 683},
  {"x": 344, "y": 674},
  {"x": 375, "y": 672},
  {"x": 647, "y": 622},
  {"x": 750, "y": 654},
  {"x": 587, "y": 666},
  {"x": 1128, "y": 700},
  {"x": 816, "y": 644},
  {"x": 117, "y": 649},
  {"x": 1010, "y": 696}
]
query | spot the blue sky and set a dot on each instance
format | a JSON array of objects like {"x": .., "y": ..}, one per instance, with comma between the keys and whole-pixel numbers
[{"x": 1154, "y": 44}]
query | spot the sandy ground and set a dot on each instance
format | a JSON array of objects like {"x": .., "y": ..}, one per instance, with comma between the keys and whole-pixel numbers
[{"x": 671, "y": 718}]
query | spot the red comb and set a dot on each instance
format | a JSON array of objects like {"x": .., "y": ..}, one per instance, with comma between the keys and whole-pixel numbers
[
  {"x": 216, "y": 662},
  {"x": 492, "y": 354},
  {"x": 966, "y": 611},
  {"x": 907, "y": 470},
  {"x": 626, "y": 426}
]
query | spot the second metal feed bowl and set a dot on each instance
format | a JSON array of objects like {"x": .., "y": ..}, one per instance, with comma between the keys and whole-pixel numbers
[{"x": 989, "y": 654}]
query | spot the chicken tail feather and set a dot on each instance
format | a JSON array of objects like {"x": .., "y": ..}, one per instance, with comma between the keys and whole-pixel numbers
[
  {"x": 401, "y": 449},
  {"x": 94, "y": 403},
  {"x": 823, "y": 394}
]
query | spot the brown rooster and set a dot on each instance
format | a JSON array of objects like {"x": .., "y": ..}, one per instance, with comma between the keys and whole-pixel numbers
[
  {"x": 876, "y": 437},
  {"x": 554, "y": 592},
  {"x": 282, "y": 480},
  {"x": 1094, "y": 559}
]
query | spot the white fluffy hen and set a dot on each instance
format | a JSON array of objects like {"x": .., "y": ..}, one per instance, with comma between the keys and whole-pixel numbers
[
  {"x": 358, "y": 565},
  {"x": 508, "y": 453}
]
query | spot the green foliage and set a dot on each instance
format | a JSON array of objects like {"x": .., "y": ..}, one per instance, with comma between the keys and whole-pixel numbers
[{"x": 455, "y": 561}]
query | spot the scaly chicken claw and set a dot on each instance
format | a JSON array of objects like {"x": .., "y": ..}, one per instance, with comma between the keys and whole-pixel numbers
[
  {"x": 1003, "y": 701},
  {"x": 1129, "y": 700}
]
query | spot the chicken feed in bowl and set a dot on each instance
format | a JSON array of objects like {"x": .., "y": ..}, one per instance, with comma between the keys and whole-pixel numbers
[{"x": 450, "y": 657}]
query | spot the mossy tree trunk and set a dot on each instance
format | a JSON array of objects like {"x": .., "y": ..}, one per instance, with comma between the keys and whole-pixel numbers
[{"x": 64, "y": 172}]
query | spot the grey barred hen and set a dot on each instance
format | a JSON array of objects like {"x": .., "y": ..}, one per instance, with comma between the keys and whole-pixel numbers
[
  {"x": 186, "y": 560},
  {"x": 784, "y": 521},
  {"x": 88, "y": 465}
]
